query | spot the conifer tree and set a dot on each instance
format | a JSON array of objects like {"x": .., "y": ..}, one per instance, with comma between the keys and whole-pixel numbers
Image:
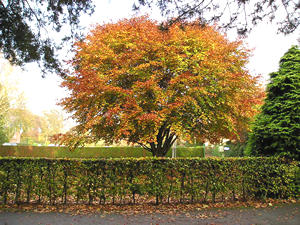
[{"x": 277, "y": 128}]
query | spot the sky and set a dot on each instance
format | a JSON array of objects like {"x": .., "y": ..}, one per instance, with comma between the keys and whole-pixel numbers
[{"x": 42, "y": 94}]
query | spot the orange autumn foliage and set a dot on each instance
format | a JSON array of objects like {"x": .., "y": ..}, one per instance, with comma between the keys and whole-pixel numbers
[{"x": 135, "y": 82}]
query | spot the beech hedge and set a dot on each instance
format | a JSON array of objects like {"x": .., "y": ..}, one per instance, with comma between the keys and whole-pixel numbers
[
  {"x": 92, "y": 152},
  {"x": 134, "y": 180}
]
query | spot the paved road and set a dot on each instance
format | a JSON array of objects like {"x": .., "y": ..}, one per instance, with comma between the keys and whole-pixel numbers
[{"x": 288, "y": 214}]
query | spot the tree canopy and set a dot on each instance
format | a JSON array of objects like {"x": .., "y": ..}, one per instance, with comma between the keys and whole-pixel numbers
[
  {"x": 135, "y": 82},
  {"x": 29, "y": 29},
  {"x": 276, "y": 129},
  {"x": 239, "y": 14}
]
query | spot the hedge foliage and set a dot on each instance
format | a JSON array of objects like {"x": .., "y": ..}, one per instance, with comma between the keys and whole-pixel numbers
[
  {"x": 92, "y": 152},
  {"x": 119, "y": 181}
]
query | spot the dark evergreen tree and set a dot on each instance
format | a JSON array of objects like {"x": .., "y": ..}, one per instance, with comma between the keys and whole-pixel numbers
[
  {"x": 276, "y": 130},
  {"x": 31, "y": 30}
]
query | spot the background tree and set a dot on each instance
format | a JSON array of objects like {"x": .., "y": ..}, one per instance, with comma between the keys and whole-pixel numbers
[
  {"x": 16, "y": 119},
  {"x": 134, "y": 82},
  {"x": 53, "y": 123},
  {"x": 25, "y": 27},
  {"x": 239, "y": 14},
  {"x": 33, "y": 129},
  {"x": 20, "y": 121},
  {"x": 31, "y": 134},
  {"x": 4, "y": 107},
  {"x": 276, "y": 129}
]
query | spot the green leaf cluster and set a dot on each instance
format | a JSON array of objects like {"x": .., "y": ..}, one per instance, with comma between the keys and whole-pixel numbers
[
  {"x": 158, "y": 180},
  {"x": 277, "y": 128}
]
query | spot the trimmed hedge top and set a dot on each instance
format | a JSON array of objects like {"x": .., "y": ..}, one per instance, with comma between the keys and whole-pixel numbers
[{"x": 92, "y": 152}]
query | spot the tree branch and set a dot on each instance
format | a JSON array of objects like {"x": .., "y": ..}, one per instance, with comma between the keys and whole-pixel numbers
[
  {"x": 287, "y": 13},
  {"x": 178, "y": 18},
  {"x": 173, "y": 141},
  {"x": 36, "y": 17},
  {"x": 159, "y": 137},
  {"x": 152, "y": 145},
  {"x": 145, "y": 146}
]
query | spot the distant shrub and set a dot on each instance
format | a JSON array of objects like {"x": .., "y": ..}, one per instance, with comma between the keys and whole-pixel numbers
[
  {"x": 213, "y": 151},
  {"x": 27, "y": 151},
  {"x": 235, "y": 149}
]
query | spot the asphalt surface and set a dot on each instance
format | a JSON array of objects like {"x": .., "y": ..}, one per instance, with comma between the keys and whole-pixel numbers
[{"x": 288, "y": 214}]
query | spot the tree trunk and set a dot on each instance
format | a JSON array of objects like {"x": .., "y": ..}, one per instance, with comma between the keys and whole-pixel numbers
[{"x": 164, "y": 141}]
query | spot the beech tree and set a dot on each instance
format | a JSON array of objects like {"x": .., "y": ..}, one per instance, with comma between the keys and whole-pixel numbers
[
  {"x": 276, "y": 129},
  {"x": 135, "y": 82}
]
